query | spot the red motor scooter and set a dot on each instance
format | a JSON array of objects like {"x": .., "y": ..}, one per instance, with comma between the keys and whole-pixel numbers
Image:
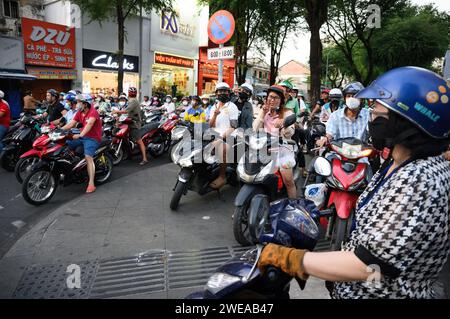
[
  {"x": 346, "y": 178},
  {"x": 28, "y": 159},
  {"x": 157, "y": 138}
]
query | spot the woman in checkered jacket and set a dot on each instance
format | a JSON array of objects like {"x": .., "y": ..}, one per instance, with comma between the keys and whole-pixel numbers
[{"x": 402, "y": 235}]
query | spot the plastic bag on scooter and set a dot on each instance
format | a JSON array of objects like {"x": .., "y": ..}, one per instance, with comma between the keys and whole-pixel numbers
[{"x": 317, "y": 194}]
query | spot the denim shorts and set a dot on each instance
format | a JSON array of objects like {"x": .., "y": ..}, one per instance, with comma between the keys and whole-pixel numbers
[{"x": 90, "y": 145}]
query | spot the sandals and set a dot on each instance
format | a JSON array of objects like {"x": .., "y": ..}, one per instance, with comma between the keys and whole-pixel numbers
[
  {"x": 143, "y": 163},
  {"x": 90, "y": 189}
]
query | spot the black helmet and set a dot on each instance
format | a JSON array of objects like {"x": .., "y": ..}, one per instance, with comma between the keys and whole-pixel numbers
[
  {"x": 53, "y": 92},
  {"x": 353, "y": 88}
]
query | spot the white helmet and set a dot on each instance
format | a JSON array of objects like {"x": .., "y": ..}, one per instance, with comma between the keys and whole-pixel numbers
[
  {"x": 248, "y": 87},
  {"x": 336, "y": 94},
  {"x": 222, "y": 86},
  {"x": 2, "y": 95}
]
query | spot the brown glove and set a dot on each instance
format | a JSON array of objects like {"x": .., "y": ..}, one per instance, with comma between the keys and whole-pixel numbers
[{"x": 289, "y": 260}]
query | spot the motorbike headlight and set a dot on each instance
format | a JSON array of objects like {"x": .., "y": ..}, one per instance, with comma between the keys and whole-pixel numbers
[
  {"x": 178, "y": 133},
  {"x": 219, "y": 281},
  {"x": 257, "y": 142},
  {"x": 322, "y": 166},
  {"x": 185, "y": 162},
  {"x": 268, "y": 169},
  {"x": 56, "y": 136},
  {"x": 45, "y": 129},
  {"x": 242, "y": 174}
]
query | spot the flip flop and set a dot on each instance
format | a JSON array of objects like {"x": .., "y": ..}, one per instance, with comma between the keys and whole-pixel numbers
[
  {"x": 143, "y": 163},
  {"x": 90, "y": 189}
]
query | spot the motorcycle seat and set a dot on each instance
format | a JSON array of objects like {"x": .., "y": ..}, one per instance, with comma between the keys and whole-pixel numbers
[
  {"x": 104, "y": 142},
  {"x": 149, "y": 127}
]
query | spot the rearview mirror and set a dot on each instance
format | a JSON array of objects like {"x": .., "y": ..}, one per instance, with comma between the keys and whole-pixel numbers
[{"x": 291, "y": 119}]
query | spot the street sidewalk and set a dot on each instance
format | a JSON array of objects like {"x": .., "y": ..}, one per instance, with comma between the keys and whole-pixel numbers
[{"x": 128, "y": 243}]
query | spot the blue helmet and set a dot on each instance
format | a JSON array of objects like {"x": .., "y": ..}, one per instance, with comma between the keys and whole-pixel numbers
[
  {"x": 419, "y": 95},
  {"x": 70, "y": 97}
]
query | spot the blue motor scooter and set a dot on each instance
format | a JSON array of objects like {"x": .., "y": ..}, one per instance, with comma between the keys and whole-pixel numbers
[{"x": 291, "y": 223}]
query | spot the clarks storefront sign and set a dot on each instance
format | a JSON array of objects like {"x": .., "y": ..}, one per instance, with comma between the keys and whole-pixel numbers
[{"x": 93, "y": 59}]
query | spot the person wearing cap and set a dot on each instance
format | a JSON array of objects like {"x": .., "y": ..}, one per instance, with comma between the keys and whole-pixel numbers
[
  {"x": 62, "y": 96},
  {"x": 245, "y": 108},
  {"x": 351, "y": 120},
  {"x": 271, "y": 118},
  {"x": 123, "y": 102},
  {"x": 146, "y": 102},
  {"x": 224, "y": 120},
  {"x": 70, "y": 107},
  {"x": 401, "y": 242},
  {"x": 90, "y": 136},
  {"x": 207, "y": 106},
  {"x": 5, "y": 118},
  {"x": 195, "y": 114},
  {"x": 55, "y": 108},
  {"x": 336, "y": 102},
  {"x": 291, "y": 98},
  {"x": 134, "y": 112},
  {"x": 324, "y": 99},
  {"x": 184, "y": 106}
]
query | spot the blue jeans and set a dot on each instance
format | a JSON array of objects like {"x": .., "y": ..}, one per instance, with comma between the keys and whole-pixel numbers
[
  {"x": 3, "y": 131},
  {"x": 90, "y": 145}
]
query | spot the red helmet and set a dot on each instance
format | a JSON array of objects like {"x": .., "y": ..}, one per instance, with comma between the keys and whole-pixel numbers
[
  {"x": 279, "y": 90},
  {"x": 327, "y": 91},
  {"x": 132, "y": 92}
]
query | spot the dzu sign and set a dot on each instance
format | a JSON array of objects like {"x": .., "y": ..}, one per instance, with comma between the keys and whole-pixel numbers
[{"x": 48, "y": 44}]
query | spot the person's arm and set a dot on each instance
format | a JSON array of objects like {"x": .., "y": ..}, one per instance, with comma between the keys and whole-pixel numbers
[
  {"x": 89, "y": 124},
  {"x": 316, "y": 109},
  {"x": 249, "y": 119},
  {"x": 259, "y": 121},
  {"x": 338, "y": 266},
  {"x": 214, "y": 111},
  {"x": 69, "y": 125}
]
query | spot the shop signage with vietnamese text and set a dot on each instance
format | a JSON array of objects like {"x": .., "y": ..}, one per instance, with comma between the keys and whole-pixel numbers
[
  {"x": 52, "y": 74},
  {"x": 174, "y": 60},
  {"x": 48, "y": 44}
]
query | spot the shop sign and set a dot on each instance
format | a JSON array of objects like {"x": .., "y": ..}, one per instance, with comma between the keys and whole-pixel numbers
[
  {"x": 11, "y": 54},
  {"x": 108, "y": 61},
  {"x": 174, "y": 60},
  {"x": 171, "y": 22},
  {"x": 48, "y": 44},
  {"x": 53, "y": 74}
]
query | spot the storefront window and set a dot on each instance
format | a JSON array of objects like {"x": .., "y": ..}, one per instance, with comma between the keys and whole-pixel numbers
[
  {"x": 172, "y": 80},
  {"x": 95, "y": 82}
]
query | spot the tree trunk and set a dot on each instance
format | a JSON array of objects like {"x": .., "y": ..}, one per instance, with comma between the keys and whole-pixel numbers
[
  {"x": 120, "y": 52},
  {"x": 315, "y": 61}
]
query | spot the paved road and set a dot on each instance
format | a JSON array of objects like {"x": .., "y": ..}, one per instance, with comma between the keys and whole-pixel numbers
[{"x": 17, "y": 216}]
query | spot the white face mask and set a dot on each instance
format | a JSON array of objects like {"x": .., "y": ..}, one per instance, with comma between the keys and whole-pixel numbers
[
  {"x": 168, "y": 100},
  {"x": 352, "y": 103},
  {"x": 122, "y": 103},
  {"x": 185, "y": 103},
  {"x": 205, "y": 101},
  {"x": 79, "y": 106}
]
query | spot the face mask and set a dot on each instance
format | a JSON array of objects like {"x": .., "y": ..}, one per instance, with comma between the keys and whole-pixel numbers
[
  {"x": 224, "y": 98},
  {"x": 122, "y": 103},
  {"x": 353, "y": 103},
  {"x": 79, "y": 106},
  {"x": 168, "y": 100},
  {"x": 205, "y": 102},
  {"x": 379, "y": 132},
  {"x": 243, "y": 96},
  {"x": 185, "y": 103},
  {"x": 155, "y": 99}
]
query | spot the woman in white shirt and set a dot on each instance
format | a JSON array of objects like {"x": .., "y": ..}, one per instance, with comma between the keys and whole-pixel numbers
[{"x": 224, "y": 119}]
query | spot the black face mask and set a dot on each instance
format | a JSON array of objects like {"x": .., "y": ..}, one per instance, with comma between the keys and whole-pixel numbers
[
  {"x": 224, "y": 98},
  {"x": 243, "y": 96},
  {"x": 380, "y": 133}
]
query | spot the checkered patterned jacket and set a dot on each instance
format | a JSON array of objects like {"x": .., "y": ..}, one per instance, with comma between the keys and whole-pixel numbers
[{"x": 404, "y": 231}]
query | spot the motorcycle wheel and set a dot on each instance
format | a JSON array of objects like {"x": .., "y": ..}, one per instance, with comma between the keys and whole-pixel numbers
[
  {"x": 177, "y": 193},
  {"x": 340, "y": 231},
  {"x": 105, "y": 163},
  {"x": 241, "y": 229},
  {"x": 156, "y": 150},
  {"x": 22, "y": 167},
  {"x": 8, "y": 161},
  {"x": 120, "y": 155},
  {"x": 39, "y": 187}
]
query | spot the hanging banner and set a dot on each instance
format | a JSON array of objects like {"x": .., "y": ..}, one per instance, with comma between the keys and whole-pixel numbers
[{"x": 48, "y": 44}]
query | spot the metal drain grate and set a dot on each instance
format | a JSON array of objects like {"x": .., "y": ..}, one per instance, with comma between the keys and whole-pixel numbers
[
  {"x": 147, "y": 273},
  {"x": 50, "y": 281},
  {"x": 129, "y": 276}
]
